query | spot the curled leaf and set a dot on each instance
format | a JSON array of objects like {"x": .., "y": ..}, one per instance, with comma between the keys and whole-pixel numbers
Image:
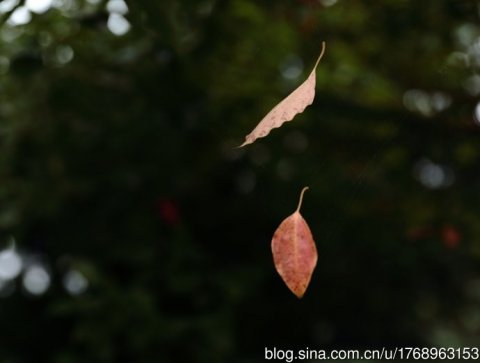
[
  {"x": 294, "y": 251},
  {"x": 293, "y": 104}
]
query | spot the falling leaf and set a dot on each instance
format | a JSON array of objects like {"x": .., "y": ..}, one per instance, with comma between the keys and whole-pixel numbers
[
  {"x": 294, "y": 251},
  {"x": 286, "y": 110}
]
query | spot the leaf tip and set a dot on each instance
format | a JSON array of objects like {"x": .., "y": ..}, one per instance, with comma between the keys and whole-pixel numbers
[
  {"x": 299, "y": 295},
  {"x": 247, "y": 141}
]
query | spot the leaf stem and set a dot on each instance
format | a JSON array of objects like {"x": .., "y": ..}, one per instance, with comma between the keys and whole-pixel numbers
[
  {"x": 320, "y": 56},
  {"x": 301, "y": 199}
]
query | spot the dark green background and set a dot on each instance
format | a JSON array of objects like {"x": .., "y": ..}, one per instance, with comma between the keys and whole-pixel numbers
[{"x": 121, "y": 164}]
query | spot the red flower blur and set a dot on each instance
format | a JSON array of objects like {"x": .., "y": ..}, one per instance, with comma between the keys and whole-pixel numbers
[
  {"x": 168, "y": 211},
  {"x": 451, "y": 236}
]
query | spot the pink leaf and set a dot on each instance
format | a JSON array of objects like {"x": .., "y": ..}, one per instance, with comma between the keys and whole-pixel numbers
[
  {"x": 294, "y": 251},
  {"x": 286, "y": 110}
]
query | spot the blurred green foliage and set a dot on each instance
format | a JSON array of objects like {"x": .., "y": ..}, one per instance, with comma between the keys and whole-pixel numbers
[{"x": 118, "y": 161}]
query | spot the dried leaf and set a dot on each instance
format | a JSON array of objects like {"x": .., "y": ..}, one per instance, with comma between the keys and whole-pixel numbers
[
  {"x": 294, "y": 251},
  {"x": 286, "y": 110}
]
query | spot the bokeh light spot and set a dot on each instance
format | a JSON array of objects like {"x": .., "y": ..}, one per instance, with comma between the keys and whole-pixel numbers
[
  {"x": 117, "y": 7},
  {"x": 466, "y": 33},
  {"x": 10, "y": 264},
  {"x": 20, "y": 16},
  {"x": 432, "y": 175},
  {"x": 328, "y": 2},
  {"x": 476, "y": 113},
  {"x": 38, "y": 6},
  {"x": 440, "y": 101},
  {"x": 64, "y": 54},
  {"x": 417, "y": 101},
  {"x": 292, "y": 67},
  {"x": 7, "y": 5},
  {"x": 117, "y": 24},
  {"x": 36, "y": 280},
  {"x": 75, "y": 282}
]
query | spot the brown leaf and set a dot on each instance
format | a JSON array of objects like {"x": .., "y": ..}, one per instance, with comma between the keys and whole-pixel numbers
[
  {"x": 286, "y": 110},
  {"x": 294, "y": 251}
]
